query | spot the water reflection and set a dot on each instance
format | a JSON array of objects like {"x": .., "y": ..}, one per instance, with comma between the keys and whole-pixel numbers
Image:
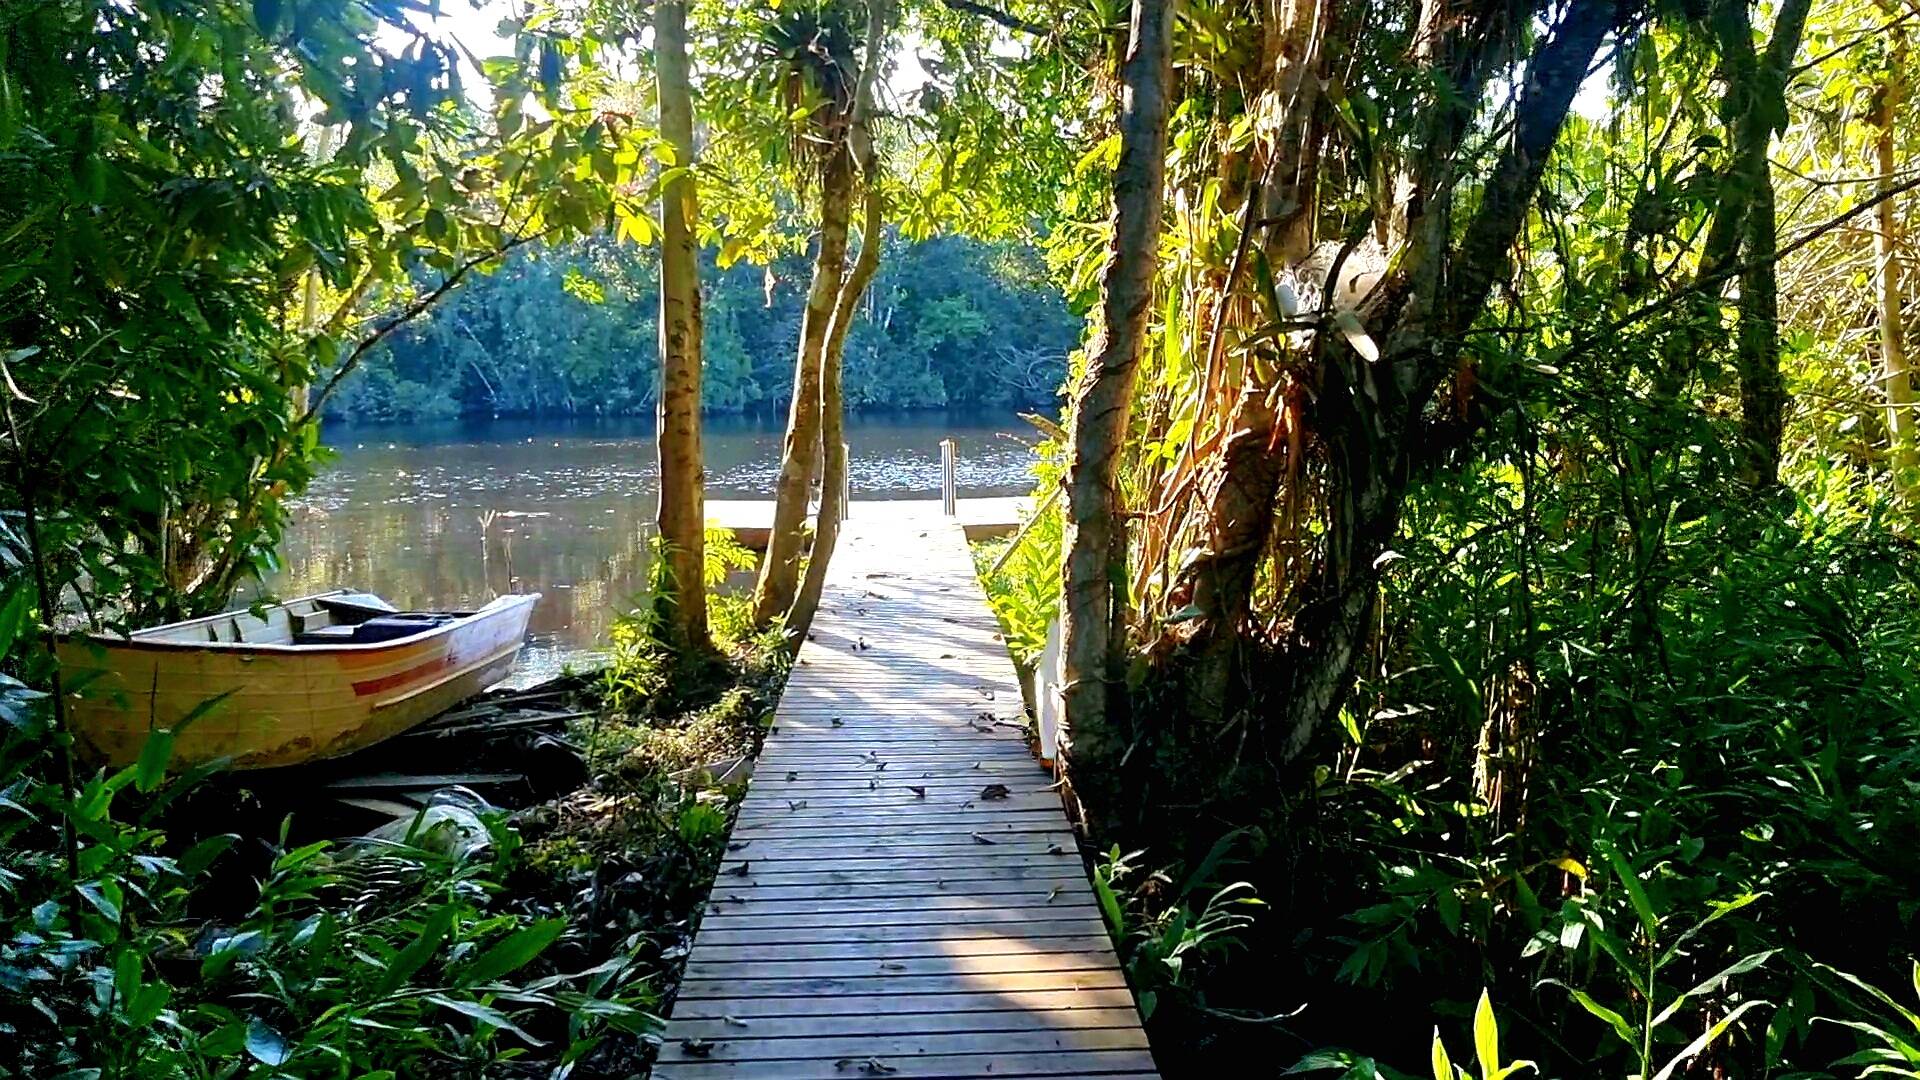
[{"x": 448, "y": 516}]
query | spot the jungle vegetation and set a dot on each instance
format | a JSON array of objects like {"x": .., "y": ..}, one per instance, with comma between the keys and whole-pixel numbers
[
  {"x": 1481, "y": 524},
  {"x": 569, "y": 331}
]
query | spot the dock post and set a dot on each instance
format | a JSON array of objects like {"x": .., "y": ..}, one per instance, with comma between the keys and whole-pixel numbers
[
  {"x": 949, "y": 495},
  {"x": 846, "y": 480}
]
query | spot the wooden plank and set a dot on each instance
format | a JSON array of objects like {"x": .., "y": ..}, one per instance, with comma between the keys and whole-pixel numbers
[
  {"x": 1057, "y": 885},
  {"x": 897, "y": 1004},
  {"x": 787, "y": 871},
  {"x": 984, "y": 918},
  {"x": 716, "y": 933},
  {"x": 782, "y": 1027},
  {"x": 744, "y": 1046},
  {"x": 863, "y": 848},
  {"x": 1066, "y": 1063},
  {"x": 728, "y": 989},
  {"x": 996, "y": 964},
  {"x": 905, "y": 950}
]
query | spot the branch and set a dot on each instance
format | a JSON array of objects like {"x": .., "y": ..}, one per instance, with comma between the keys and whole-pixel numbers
[
  {"x": 408, "y": 314},
  {"x": 1006, "y": 19},
  {"x": 1711, "y": 281},
  {"x": 1551, "y": 81}
]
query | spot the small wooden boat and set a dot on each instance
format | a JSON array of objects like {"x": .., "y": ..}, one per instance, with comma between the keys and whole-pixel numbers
[{"x": 314, "y": 678}]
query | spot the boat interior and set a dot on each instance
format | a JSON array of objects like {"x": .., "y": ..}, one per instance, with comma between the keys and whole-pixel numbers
[{"x": 336, "y": 618}]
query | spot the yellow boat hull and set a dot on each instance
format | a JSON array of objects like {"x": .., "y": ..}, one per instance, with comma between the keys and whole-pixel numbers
[{"x": 285, "y": 703}]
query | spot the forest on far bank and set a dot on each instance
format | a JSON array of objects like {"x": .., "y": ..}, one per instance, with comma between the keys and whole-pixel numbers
[{"x": 573, "y": 330}]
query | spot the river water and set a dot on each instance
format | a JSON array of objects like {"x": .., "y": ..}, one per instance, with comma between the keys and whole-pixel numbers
[{"x": 450, "y": 515}]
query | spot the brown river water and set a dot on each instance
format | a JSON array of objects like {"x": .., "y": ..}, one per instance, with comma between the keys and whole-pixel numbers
[{"x": 450, "y": 515}]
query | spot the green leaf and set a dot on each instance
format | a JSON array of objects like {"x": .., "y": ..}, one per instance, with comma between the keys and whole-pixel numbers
[
  {"x": 514, "y": 951},
  {"x": 1705, "y": 1039},
  {"x": 1486, "y": 1035},
  {"x": 1614, "y": 1020},
  {"x": 1630, "y": 881},
  {"x": 1442, "y": 1065},
  {"x": 415, "y": 955},
  {"x": 154, "y": 755},
  {"x": 1714, "y": 982},
  {"x": 485, "y": 1014}
]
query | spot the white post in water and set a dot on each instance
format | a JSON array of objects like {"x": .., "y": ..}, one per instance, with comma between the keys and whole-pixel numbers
[
  {"x": 949, "y": 495},
  {"x": 846, "y": 481}
]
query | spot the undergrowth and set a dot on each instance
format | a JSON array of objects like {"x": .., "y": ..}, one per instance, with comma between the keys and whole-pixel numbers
[
  {"x": 1656, "y": 796},
  {"x": 539, "y": 943}
]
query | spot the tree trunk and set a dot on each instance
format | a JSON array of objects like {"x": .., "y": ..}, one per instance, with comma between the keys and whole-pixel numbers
[
  {"x": 1371, "y": 412},
  {"x": 780, "y": 571},
  {"x": 1092, "y": 615},
  {"x": 1215, "y": 582},
  {"x": 1896, "y": 377},
  {"x": 833, "y": 445},
  {"x": 1756, "y": 105},
  {"x": 1763, "y": 390},
  {"x": 680, "y": 598}
]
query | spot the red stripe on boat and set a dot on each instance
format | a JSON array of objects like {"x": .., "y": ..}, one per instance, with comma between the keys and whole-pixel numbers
[{"x": 402, "y": 678}]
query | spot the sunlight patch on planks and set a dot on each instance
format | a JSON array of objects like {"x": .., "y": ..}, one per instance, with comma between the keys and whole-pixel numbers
[{"x": 901, "y": 895}]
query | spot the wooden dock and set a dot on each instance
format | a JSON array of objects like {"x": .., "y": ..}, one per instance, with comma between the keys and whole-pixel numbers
[
  {"x": 752, "y": 519},
  {"x": 901, "y": 896}
]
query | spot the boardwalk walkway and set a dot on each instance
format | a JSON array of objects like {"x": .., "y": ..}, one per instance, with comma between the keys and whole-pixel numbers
[{"x": 901, "y": 895}]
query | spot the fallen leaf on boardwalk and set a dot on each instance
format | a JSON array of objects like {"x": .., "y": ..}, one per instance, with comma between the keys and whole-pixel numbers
[
  {"x": 871, "y": 1066},
  {"x": 837, "y": 722},
  {"x": 792, "y": 775},
  {"x": 872, "y": 783},
  {"x": 985, "y": 692},
  {"x": 736, "y": 845},
  {"x": 994, "y": 791},
  {"x": 946, "y": 656},
  {"x": 918, "y": 792},
  {"x": 1053, "y": 892},
  {"x": 893, "y": 967},
  {"x": 696, "y": 1047},
  {"x": 978, "y": 839},
  {"x": 738, "y": 871},
  {"x": 1056, "y": 849},
  {"x": 881, "y": 767},
  {"x": 734, "y": 1021},
  {"x": 976, "y": 764},
  {"x": 792, "y": 805}
]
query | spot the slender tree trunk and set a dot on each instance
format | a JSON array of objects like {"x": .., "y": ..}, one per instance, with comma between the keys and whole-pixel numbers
[
  {"x": 681, "y": 599},
  {"x": 780, "y": 571},
  {"x": 833, "y": 447},
  {"x": 1763, "y": 389},
  {"x": 1896, "y": 377},
  {"x": 1094, "y": 601}
]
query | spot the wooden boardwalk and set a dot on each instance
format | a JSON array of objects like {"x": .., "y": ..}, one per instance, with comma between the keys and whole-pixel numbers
[{"x": 901, "y": 894}]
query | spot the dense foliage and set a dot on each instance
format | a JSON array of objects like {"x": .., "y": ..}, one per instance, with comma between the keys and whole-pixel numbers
[
  {"x": 1626, "y": 587},
  {"x": 948, "y": 322}
]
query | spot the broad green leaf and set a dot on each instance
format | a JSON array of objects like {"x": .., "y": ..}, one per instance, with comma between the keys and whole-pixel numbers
[
  {"x": 1486, "y": 1035},
  {"x": 513, "y": 952}
]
